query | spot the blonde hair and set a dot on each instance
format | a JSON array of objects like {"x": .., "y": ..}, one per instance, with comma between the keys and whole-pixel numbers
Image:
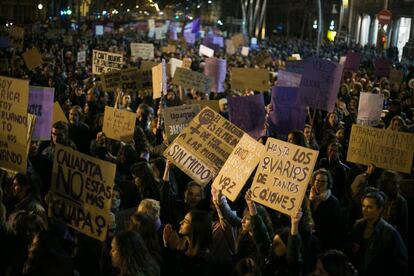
[{"x": 151, "y": 207}]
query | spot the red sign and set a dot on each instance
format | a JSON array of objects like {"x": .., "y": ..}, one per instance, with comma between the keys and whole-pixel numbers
[{"x": 384, "y": 17}]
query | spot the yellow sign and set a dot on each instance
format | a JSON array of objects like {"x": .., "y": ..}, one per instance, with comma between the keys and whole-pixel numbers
[
  {"x": 157, "y": 81},
  {"x": 58, "y": 114},
  {"x": 250, "y": 78},
  {"x": 119, "y": 124},
  {"x": 32, "y": 58}
]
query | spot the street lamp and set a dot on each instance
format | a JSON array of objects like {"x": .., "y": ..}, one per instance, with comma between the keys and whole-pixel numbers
[{"x": 40, "y": 6}]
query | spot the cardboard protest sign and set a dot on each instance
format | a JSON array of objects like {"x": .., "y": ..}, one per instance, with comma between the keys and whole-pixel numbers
[
  {"x": 238, "y": 40},
  {"x": 142, "y": 50},
  {"x": 288, "y": 113},
  {"x": 386, "y": 149},
  {"x": 14, "y": 98},
  {"x": 176, "y": 118},
  {"x": 396, "y": 76},
  {"x": 250, "y": 78},
  {"x": 32, "y": 58},
  {"x": 191, "y": 79},
  {"x": 248, "y": 113},
  {"x": 283, "y": 175},
  {"x": 204, "y": 50},
  {"x": 169, "y": 49},
  {"x": 186, "y": 63},
  {"x": 288, "y": 79},
  {"x": 352, "y": 61},
  {"x": 382, "y": 67},
  {"x": 131, "y": 80},
  {"x": 216, "y": 69},
  {"x": 370, "y": 108},
  {"x": 111, "y": 80},
  {"x": 119, "y": 124},
  {"x": 103, "y": 62},
  {"x": 204, "y": 145},
  {"x": 31, "y": 121},
  {"x": 238, "y": 167},
  {"x": 213, "y": 104},
  {"x": 230, "y": 49},
  {"x": 160, "y": 33},
  {"x": 157, "y": 81},
  {"x": 41, "y": 105},
  {"x": 16, "y": 36},
  {"x": 320, "y": 83},
  {"x": 245, "y": 51},
  {"x": 58, "y": 114},
  {"x": 82, "y": 191},
  {"x": 174, "y": 64}
]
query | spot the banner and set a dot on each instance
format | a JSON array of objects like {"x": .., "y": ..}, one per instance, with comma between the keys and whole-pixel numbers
[
  {"x": 41, "y": 105},
  {"x": 190, "y": 79},
  {"x": 176, "y": 118},
  {"x": 288, "y": 79},
  {"x": 103, "y": 62},
  {"x": 142, "y": 50},
  {"x": 32, "y": 58},
  {"x": 14, "y": 98},
  {"x": 82, "y": 191},
  {"x": 352, "y": 61},
  {"x": 250, "y": 78},
  {"x": 216, "y": 69},
  {"x": 111, "y": 80},
  {"x": 320, "y": 83},
  {"x": 370, "y": 108},
  {"x": 204, "y": 145},
  {"x": 119, "y": 124},
  {"x": 382, "y": 67},
  {"x": 283, "y": 175},
  {"x": 386, "y": 149},
  {"x": 58, "y": 114},
  {"x": 248, "y": 113},
  {"x": 238, "y": 167}
]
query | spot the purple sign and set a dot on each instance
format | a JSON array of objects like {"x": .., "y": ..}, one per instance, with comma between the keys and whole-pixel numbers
[
  {"x": 208, "y": 41},
  {"x": 248, "y": 113},
  {"x": 382, "y": 67},
  {"x": 320, "y": 83},
  {"x": 216, "y": 69},
  {"x": 352, "y": 61},
  {"x": 41, "y": 105},
  {"x": 218, "y": 40},
  {"x": 189, "y": 37},
  {"x": 172, "y": 35},
  {"x": 294, "y": 66},
  {"x": 287, "y": 113}
]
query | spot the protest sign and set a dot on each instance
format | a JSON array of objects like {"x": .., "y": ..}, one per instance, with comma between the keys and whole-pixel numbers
[
  {"x": 157, "y": 81},
  {"x": 189, "y": 37},
  {"x": 103, "y": 62},
  {"x": 186, "y": 63},
  {"x": 396, "y": 76},
  {"x": 218, "y": 40},
  {"x": 176, "y": 118},
  {"x": 370, "y": 108},
  {"x": 238, "y": 40},
  {"x": 288, "y": 79},
  {"x": 216, "y": 69},
  {"x": 119, "y": 124},
  {"x": 296, "y": 57},
  {"x": 58, "y": 114},
  {"x": 342, "y": 60},
  {"x": 41, "y": 105},
  {"x": 160, "y": 33},
  {"x": 164, "y": 76},
  {"x": 14, "y": 98},
  {"x": 248, "y": 113},
  {"x": 230, "y": 49},
  {"x": 204, "y": 50},
  {"x": 320, "y": 83},
  {"x": 99, "y": 30},
  {"x": 287, "y": 112},
  {"x": 16, "y": 36},
  {"x": 81, "y": 56},
  {"x": 131, "y": 80},
  {"x": 294, "y": 66},
  {"x": 191, "y": 79},
  {"x": 204, "y": 145},
  {"x": 250, "y": 78},
  {"x": 245, "y": 51},
  {"x": 142, "y": 50},
  {"x": 174, "y": 64},
  {"x": 111, "y": 81},
  {"x": 169, "y": 49},
  {"x": 352, "y": 61},
  {"x": 386, "y": 149},
  {"x": 32, "y": 58},
  {"x": 382, "y": 67},
  {"x": 82, "y": 191},
  {"x": 238, "y": 167},
  {"x": 283, "y": 175},
  {"x": 213, "y": 104}
]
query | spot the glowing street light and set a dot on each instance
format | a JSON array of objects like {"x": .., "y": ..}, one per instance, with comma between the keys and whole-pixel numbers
[{"x": 40, "y": 6}]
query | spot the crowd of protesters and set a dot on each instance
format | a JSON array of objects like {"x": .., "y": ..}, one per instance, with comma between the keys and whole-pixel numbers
[{"x": 353, "y": 220}]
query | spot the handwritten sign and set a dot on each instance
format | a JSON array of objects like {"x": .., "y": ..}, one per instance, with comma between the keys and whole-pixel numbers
[
  {"x": 119, "y": 124},
  {"x": 204, "y": 145},
  {"x": 283, "y": 175},
  {"x": 215, "y": 68},
  {"x": 41, "y": 105},
  {"x": 142, "y": 50},
  {"x": 103, "y": 62},
  {"x": 288, "y": 79},
  {"x": 250, "y": 78},
  {"x": 370, "y": 108},
  {"x": 131, "y": 80},
  {"x": 391, "y": 150},
  {"x": 82, "y": 191},
  {"x": 58, "y": 114},
  {"x": 176, "y": 118},
  {"x": 191, "y": 79},
  {"x": 320, "y": 83},
  {"x": 14, "y": 98},
  {"x": 32, "y": 58},
  {"x": 16, "y": 35},
  {"x": 81, "y": 56},
  {"x": 111, "y": 80},
  {"x": 238, "y": 167}
]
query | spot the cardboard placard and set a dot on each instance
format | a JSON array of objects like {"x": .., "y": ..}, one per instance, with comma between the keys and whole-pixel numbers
[
  {"x": 142, "y": 50},
  {"x": 174, "y": 64},
  {"x": 41, "y": 105},
  {"x": 81, "y": 56},
  {"x": 131, "y": 80},
  {"x": 176, "y": 118},
  {"x": 204, "y": 145},
  {"x": 386, "y": 149},
  {"x": 157, "y": 81},
  {"x": 230, "y": 49},
  {"x": 82, "y": 191},
  {"x": 32, "y": 58},
  {"x": 14, "y": 97},
  {"x": 283, "y": 175},
  {"x": 245, "y": 51},
  {"x": 58, "y": 114},
  {"x": 191, "y": 79},
  {"x": 250, "y": 78},
  {"x": 370, "y": 108},
  {"x": 111, "y": 81},
  {"x": 206, "y": 51},
  {"x": 169, "y": 49},
  {"x": 213, "y": 104},
  {"x": 238, "y": 40},
  {"x": 119, "y": 124},
  {"x": 104, "y": 62},
  {"x": 238, "y": 167}
]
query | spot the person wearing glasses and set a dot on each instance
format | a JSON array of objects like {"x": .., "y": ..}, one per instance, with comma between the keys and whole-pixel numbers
[{"x": 60, "y": 135}]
